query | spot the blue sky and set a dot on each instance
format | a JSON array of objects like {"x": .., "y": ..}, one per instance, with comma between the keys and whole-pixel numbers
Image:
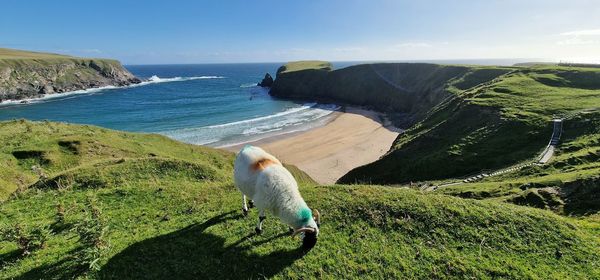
[{"x": 157, "y": 32}]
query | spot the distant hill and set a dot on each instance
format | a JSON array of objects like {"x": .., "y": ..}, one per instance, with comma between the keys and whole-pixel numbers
[{"x": 25, "y": 74}]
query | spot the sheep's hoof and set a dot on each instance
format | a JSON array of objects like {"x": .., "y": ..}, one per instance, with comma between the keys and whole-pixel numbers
[
  {"x": 245, "y": 212},
  {"x": 250, "y": 204},
  {"x": 258, "y": 230}
]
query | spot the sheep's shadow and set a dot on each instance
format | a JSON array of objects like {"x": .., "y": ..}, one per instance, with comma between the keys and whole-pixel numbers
[{"x": 190, "y": 253}]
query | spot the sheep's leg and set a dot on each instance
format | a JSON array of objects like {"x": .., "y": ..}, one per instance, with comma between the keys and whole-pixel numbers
[
  {"x": 261, "y": 218},
  {"x": 244, "y": 206}
]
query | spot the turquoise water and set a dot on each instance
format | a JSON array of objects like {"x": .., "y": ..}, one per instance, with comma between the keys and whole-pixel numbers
[{"x": 205, "y": 104}]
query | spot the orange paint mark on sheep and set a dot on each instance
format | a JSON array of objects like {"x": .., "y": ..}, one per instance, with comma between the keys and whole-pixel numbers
[{"x": 261, "y": 164}]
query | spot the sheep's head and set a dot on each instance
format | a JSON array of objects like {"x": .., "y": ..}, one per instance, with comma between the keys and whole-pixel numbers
[
  {"x": 310, "y": 240},
  {"x": 309, "y": 237},
  {"x": 310, "y": 233}
]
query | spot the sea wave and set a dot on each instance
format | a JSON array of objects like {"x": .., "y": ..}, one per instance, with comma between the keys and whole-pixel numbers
[
  {"x": 280, "y": 114},
  {"x": 248, "y": 85},
  {"x": 296, "y": 119},
  {"x": 152, "y": 80},
  {"x": 293, "y": 119},
  {"x": 156, "y": 79}
]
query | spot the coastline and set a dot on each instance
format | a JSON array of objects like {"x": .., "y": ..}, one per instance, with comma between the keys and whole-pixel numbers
[
  {"x": 350, "y": 139},
  {"x": 50, "y": 96}
]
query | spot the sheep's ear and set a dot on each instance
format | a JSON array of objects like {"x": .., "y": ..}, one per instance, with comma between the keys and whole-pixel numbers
[
  {"x": 317, "y": 216},
  {"x": 304, "y": 229}
]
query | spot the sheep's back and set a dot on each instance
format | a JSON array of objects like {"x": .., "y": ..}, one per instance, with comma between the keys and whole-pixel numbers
[{"x": 248, "y": 165}]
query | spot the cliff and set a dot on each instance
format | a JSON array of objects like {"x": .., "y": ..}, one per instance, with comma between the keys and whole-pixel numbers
[
  {"x": 30, "y": 74},
  {"x": 404, "y": 90}
]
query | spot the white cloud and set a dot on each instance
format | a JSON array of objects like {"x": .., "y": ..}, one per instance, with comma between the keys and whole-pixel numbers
[
  {"x": 349, "y": 49},
  {"x": 413, "y": 45},
  {"x": 586, "y": 32},
  {"x": 580, "y": 37},
  {"x": 91, "y": 51},
  {"x": 577, "y": 41}
]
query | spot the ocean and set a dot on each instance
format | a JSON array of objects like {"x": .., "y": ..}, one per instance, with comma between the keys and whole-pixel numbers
[{"x": 206, "y": 104}]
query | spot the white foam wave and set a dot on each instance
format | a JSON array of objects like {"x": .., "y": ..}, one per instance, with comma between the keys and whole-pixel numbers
[
  {"x": 152, "y": 80},
  {"x": 248, "y": 85},
  {"x": 266, "y": 135},
  {"x": 296, "y": 119},
  {"x": 156, "y": 79},
  {"x": 293, "y": 119},
  {"x": 280, "y": 114},
  {"x": 56, "y": 95}
]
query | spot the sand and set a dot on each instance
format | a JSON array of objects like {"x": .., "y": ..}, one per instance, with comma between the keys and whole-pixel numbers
[{"x": 353, "y": 138}]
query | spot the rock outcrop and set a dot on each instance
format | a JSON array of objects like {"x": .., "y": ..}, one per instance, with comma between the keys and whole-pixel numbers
[
  {"x": 267, "y": 81},
  {"x": 41, "y": 74}
]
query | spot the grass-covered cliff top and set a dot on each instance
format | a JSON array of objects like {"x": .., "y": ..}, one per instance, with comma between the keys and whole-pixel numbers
[
  {"x": 107, "y": 204},
  {"x": 12, "y": 57},
  {"x": 20, "y": 54},
  {"x": 305, "y": 65}
]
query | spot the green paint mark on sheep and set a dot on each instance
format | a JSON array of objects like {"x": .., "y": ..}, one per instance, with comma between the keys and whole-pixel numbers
[{"x": 305, "y": 214}]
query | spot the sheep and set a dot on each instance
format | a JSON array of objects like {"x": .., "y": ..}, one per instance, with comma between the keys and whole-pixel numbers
[{"x": 271, "y": 187}]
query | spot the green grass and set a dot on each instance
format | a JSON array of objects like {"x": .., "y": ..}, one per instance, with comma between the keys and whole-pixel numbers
[
  {"x": 15, "y": 58},
  {"x": 143, "y": 206},
  {"x": 87, "y": 202},
  {"x": 20, "y": 54},
  {"x": 492, "y": 125},
  {"x": 573, "y": 173},
  {"x": 305, "y": 65}
]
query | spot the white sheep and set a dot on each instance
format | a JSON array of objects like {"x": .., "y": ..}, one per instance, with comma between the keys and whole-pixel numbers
[{"x": 271, "y": 187}]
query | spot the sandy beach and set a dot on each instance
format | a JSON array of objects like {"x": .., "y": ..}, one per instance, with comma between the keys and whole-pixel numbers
[{"x": 353, "y": 138}]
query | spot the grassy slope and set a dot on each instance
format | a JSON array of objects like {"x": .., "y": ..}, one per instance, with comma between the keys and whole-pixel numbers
[
  {"x": 569, "y": 184},
  {"x": 171, "y": 211},
  {"x": 11, "y": 57},
  {"x": 305, "y": 65},
  {"x": 20, "y": 54},
  {"x": 486, "y": 126}
]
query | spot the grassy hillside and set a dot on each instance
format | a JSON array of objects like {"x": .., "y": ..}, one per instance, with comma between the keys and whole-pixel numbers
[
  {"x": 20, "y": 54},
  {"x": 25, "y": 74},
  {"x": 12, "y": 57},
  {"x": 114, "y": 205},
  {"x": 569, "y": 184},
  {"x": 487, "y": 126},
  {"x": 406, "y": 91}
]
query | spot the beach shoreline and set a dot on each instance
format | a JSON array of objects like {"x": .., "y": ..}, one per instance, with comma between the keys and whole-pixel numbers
[{"x": 350, "y": 139}]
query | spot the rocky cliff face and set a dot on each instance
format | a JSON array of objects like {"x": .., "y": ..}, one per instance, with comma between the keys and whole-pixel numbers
[{"x": 30, "y": 78}]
